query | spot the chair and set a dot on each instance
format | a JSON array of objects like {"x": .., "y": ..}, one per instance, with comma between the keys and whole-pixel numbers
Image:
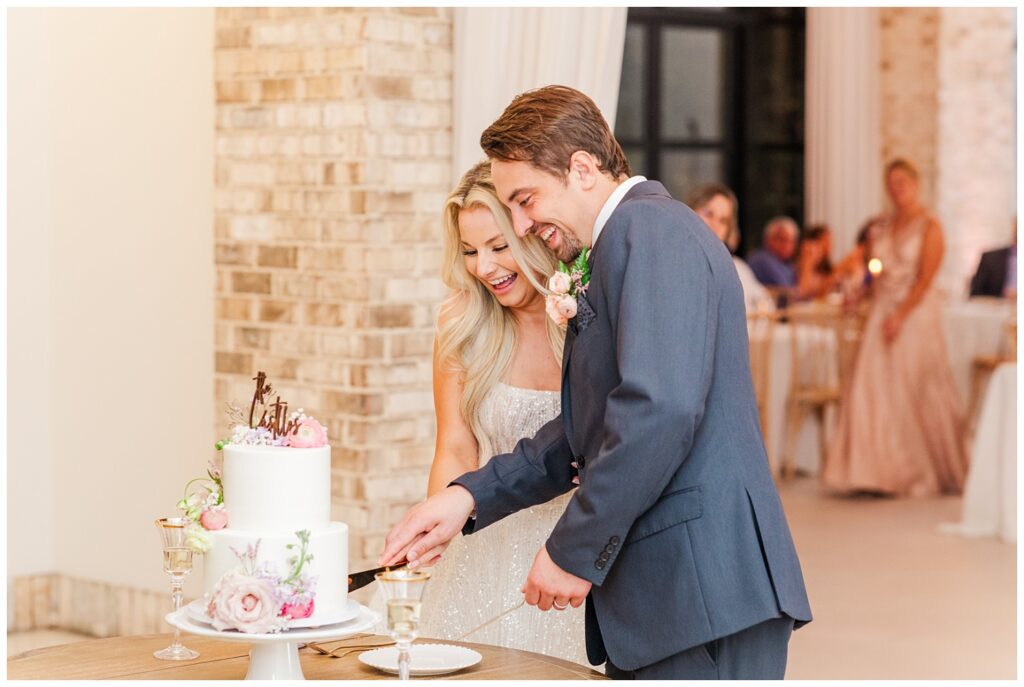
[
  {"x": 824, "y": 341},
  {"x": 981, "y": 369},
  {"x": 760, "y": 327}
]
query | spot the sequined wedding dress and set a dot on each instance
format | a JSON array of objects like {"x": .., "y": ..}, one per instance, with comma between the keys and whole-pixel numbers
[{"x": 480, "y": 576}]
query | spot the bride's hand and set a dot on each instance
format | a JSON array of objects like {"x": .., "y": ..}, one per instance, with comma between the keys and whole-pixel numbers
[{"x": 427, "y": 527}]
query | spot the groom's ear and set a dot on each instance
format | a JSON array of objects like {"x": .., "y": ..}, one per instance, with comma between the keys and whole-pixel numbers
[{"x": 584, "y": 170}]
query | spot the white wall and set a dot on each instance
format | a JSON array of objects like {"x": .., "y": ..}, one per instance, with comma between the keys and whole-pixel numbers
[{"x": 111, "y": 283}]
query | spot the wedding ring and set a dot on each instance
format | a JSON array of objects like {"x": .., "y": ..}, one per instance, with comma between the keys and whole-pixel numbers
[{"x": 560, "y": 608}]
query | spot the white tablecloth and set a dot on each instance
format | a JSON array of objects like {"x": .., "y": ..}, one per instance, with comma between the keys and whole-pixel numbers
[
  {"x": 990, "y": 496},
  {"x": 808, "y": 451},
  {"x": 975, "y": 327}
]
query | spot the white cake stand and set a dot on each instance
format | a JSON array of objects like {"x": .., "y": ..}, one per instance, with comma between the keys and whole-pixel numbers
[{"x": 275, "y": 656}]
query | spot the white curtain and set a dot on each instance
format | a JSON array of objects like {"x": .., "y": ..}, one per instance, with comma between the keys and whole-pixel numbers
[
  {"x": 501, "y": 52},
  {"x": 843, "y": 171}
]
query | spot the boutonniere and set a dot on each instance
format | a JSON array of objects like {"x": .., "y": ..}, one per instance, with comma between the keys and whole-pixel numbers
[{"x": 569, "y": 282}]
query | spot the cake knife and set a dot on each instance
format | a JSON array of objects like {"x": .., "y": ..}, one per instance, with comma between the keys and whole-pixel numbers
[{"x": 361, "y": 579}]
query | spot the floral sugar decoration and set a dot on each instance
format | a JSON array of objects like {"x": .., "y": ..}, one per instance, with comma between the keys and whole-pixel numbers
[
  {"x": 254, "y": 599},
  {"x": 275, "y": 426},
  {"x": 203, "y": 505},
  {"x": 568, "y": 283}
]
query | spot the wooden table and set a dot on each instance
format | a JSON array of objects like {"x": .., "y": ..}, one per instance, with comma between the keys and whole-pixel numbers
[{"x": 131, "y": 658}]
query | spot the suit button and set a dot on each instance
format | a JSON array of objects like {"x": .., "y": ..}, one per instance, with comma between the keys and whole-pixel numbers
[
  {"x": 609, "y": 549},
  {"x": 599, "y": 565},
  {"x": 614, "y": 541},
  {"x": 605, "y": 556},
  {"x": 581, "y": 461}
]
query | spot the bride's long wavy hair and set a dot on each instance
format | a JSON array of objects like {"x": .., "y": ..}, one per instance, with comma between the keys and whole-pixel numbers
[{"x": 476, "y": 335}]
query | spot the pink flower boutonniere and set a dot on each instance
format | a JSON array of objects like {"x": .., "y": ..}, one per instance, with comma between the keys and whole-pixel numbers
[{"x": 568, "y": 283}]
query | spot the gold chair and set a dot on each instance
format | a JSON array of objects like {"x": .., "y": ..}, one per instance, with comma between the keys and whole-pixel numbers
[
  {"x": 982, "y": 368},
  {"x": 820, "y": 370}
]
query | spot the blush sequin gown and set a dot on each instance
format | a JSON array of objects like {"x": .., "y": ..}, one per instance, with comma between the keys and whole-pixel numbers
[{"x": 901, "y": 424}]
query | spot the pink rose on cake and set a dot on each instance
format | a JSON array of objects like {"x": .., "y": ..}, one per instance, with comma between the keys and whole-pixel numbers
[
  {"x": 246, "y": 603},
  {"x": 308, "y": 434},
  {"x": 214, "y": 518},
  {"x": 297, "y": 611}
]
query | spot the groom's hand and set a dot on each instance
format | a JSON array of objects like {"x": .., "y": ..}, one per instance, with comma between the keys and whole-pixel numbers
[
  {"x": 425, "y": 530},
  {"x": 548, "y": 585}
]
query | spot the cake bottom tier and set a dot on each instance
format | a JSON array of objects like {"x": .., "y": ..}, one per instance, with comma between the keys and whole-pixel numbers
[{"x": 328, "y": 546}]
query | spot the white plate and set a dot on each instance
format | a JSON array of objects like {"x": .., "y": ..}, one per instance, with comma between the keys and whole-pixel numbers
[
  {"x": 196, "y": 611},
  {"x": 424, "y": 659}
]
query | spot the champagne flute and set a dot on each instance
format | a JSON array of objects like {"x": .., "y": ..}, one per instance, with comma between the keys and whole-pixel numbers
[
  {"x": 177, "y": 564},
  {"x": 403, "y": 591}
]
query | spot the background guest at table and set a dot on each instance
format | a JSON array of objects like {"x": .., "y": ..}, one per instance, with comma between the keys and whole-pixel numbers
[
  {"x": 997, "y": 271},
  {"x": 772, "y": 264},
  {"x": 851, "y": 273},
  {"x": 814, "y": 262},
  {"x": 716, "y": 204},
  {"x": 901, "y": 428}
]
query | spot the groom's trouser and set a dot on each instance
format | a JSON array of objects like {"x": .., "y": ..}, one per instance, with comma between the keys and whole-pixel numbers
[{"x": 756, "y": 653}]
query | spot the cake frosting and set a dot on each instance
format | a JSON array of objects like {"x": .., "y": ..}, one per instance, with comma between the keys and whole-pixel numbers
[{"x": 271, "y": 492}]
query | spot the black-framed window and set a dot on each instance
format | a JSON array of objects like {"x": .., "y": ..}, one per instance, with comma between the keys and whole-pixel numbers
[{"x": 717, "y": 94}]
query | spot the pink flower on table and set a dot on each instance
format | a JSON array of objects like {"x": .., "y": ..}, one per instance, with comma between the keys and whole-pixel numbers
[
  {"x": 559, "y": 283},
  {"x": 245, "y": 603},
  {"x": 214, "y": 518},
  {"x": 309, "y": 434},
  {"x": 297, "y": 611}
]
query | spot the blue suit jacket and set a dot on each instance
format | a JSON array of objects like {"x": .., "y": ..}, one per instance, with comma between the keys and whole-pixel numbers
[{"x": 676, "y": 521}]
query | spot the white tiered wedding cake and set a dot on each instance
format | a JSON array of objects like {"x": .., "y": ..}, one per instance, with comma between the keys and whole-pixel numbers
[
  {"x": 273, "y": 556},
  {"x": 272, "y": 492}
]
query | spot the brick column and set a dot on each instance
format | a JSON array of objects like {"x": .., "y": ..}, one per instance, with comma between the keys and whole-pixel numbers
[{"x": 333, "y": 160}]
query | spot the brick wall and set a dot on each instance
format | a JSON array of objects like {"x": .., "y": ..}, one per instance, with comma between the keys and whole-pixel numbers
[
  {"x": 909, "y": 82},
  {"x": 333, "y": 158}
]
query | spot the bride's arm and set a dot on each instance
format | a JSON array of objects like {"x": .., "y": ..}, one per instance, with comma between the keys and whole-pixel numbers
[{"x": 456, "y": 450}]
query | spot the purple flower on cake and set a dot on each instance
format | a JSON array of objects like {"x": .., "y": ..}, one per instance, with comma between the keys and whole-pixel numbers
[
  {"x": 246, "y": 603},
  {"x": 309, "y": 434}
]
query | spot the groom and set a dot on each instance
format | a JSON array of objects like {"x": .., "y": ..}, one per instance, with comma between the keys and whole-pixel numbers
[{"x": 676, "y": 538}]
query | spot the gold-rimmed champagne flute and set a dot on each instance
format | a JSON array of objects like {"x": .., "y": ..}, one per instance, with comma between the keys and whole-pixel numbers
[
  {"x": 403, "y": 592},
  {"x": 177, "y": 564}
]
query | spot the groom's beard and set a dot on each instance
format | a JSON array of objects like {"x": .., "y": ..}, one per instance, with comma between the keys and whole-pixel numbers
[{"x": 569, "y": 247}]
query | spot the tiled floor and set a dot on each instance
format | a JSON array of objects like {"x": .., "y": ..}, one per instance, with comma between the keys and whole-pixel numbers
[
  {"x": 894, "y": 598},
  {"x": 891, "y": 596}
]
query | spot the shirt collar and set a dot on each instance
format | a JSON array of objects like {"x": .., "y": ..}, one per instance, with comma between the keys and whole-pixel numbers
[{"x": 613, "y": 202}]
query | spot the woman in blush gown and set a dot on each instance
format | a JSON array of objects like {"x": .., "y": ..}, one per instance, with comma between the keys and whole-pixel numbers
[
  {"x": 901, "y": 426},
  {"x": 497, "y": 375}
]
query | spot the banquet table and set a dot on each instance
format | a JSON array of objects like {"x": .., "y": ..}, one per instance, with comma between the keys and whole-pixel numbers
[
  {"x": 131, "y": 658},
  {"x": 807, "y": 449},
  {"x": 990, "y": 495}
]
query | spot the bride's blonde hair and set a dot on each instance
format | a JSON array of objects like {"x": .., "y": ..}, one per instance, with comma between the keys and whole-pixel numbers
[{"x": 476, "y": 335}]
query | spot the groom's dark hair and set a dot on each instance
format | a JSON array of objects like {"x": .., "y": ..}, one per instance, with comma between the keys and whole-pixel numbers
[{"x": 545, "y": 126}]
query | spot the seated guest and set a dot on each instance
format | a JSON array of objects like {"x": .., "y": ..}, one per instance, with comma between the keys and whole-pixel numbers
[
  {"x": 851, "y": 274},
  {"x": 997, "y": 271},
  {"x": 814, "y": 262},
  {"x": 772, "y": 264},
  {"x": 716, "y": 204}
]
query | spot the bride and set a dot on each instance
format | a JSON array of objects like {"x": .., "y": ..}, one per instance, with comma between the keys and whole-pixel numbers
[{"x": 497, "y": 373}]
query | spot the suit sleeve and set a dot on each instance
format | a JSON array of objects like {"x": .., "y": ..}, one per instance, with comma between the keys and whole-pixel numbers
[
  {"x": 537, "y": 470},
  {"x": 663, "y": 323}
]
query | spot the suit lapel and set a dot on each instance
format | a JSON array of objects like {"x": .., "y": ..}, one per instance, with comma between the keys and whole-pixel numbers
[{"x": 570, "y": 339}]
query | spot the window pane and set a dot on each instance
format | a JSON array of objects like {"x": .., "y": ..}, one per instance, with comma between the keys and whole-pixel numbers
[
  {"x": 637, "y": 159},
  {"x": 692, "y": 79},
  {"x": 684, "y": 170},
  {"x": 774, "y": 85},
  {"x": 630, "y": 116}
]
